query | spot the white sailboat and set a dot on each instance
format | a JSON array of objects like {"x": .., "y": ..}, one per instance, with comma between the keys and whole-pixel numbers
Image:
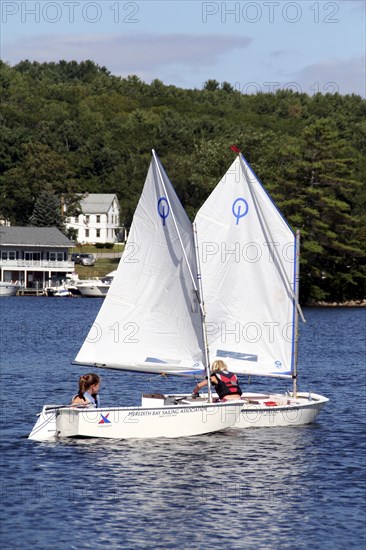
[
  {"x": 150, "y": 321},
  {"x": 249, "y": 260}
]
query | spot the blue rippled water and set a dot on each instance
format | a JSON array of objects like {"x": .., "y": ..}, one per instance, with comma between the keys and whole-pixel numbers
[{"x": 274, "y": 488}]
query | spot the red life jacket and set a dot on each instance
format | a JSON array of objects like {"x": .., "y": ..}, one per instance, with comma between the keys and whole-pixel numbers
[{"x": 227, "y": 384}]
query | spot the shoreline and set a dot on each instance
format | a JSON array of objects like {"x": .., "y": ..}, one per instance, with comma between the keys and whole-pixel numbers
[{"x": 348, "y": 303}]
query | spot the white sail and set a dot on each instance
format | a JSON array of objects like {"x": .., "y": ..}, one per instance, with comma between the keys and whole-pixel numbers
[
  {"x": 247, "y": 257},
  {"x": 150, "y": 320}
]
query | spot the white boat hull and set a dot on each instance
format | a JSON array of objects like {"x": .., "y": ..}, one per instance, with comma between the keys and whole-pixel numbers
[
  {"x": 135, "y": 423},
  {"x": 64, "y": 293},
  {"x": 274, "y": 410},
  {"x": 45, "y": 427},
  {"x": 8, "y": 289},
  {"x": 287, "y": 412},
  {"x": 159, "y": 418},
  {"x": 93, "y": 291}
]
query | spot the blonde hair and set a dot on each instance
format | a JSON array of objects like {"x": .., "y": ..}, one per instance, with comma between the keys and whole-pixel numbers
[
  {"x": 86, "y": 381},
  {"x": 218, "y": 365}
]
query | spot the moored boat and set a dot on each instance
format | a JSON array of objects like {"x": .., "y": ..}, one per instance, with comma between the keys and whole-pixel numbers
[
  {"x": 8, "y": 288},
  {"x": 94, "y": 288}
]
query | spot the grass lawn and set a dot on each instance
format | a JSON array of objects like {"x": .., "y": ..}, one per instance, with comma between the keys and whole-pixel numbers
[
  {"x": 107, "y": 260},
  {"x": 90, "y": 248},
  {"x": 100, "y": 269}
]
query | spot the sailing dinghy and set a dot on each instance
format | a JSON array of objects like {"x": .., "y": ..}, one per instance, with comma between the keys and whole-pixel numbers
[
  {"x": 249, "y": 262},
  {"x": 245, "y": 258},
  {"x": 150, "y": 321}
]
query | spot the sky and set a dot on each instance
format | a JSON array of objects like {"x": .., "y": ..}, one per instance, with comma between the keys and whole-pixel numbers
[{"x": 305, "y": 45}]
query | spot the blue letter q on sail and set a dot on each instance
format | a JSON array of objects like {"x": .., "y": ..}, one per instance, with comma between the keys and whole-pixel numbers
[
  {"x": 240, "y": 209},
  {"x": 163, "y": 209}
]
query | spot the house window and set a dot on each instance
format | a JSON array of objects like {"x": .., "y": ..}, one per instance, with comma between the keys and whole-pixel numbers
[
  {"x": 32, "y": 256},
  {"x": 52, "y": 256},
  {"x": 60, "y": 256},
  {"x": 87, "y": 218},
  {"x": 86, "y": 232},
  {"x": 4, "y": 255},
  {"x": 98, "y": 233},
  {"x": 11, "y": 255},
  {"x": 98, "y": 218}
]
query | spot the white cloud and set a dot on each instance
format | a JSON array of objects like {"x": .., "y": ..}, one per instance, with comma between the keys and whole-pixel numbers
[
  {"x": 187, "y": 60},
  {"x": 126, "y": 54},
  {"x": 347, "y": 76}
]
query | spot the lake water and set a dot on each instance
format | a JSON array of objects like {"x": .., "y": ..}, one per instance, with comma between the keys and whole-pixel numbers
[{"x": 285, "y": 488}]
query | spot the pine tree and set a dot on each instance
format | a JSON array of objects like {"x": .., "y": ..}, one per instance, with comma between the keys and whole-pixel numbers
[
  {"x": 47, "y": 211},
  {"x": 333, "y": 255}
]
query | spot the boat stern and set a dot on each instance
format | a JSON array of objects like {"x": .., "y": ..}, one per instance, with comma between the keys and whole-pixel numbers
[{"x": 45, "y": 427}]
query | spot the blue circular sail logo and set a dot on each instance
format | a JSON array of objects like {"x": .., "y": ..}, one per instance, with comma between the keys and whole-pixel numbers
[
  {"x": 240, "y": 209},
  {"x": 163, "y": 209}
]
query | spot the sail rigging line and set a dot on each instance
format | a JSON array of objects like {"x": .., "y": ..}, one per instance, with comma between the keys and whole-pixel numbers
[
  {"x": 177, "y": 230},
  {"x": 203, "y": 315},
  {"x": 274, "y": 249},
  {"x": 296, "y": 321}
]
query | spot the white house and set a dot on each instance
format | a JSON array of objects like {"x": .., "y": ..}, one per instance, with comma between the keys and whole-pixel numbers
[{"x": 99, "y": 220}]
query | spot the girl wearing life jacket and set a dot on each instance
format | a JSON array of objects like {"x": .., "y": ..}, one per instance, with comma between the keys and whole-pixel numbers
[
  {"x": 89, "y": 385},
  {"x": 225, "y": 383}
]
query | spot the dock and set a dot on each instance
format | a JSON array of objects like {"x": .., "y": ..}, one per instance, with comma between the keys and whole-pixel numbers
[{"x": 31, "y": 292}]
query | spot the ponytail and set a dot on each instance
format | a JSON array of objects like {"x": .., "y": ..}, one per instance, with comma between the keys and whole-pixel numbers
[{"x": 85, "y": 382}]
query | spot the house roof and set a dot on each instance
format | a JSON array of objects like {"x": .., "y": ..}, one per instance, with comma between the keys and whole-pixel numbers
[
  {"x": 97, "y": 203},
  {"x": 34, "y": 236}
]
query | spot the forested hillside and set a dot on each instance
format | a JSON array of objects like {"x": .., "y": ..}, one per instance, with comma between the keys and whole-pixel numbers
[{"x": 73, "y": 127}]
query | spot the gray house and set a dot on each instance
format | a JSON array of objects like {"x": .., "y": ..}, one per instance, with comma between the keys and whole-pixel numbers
[{"x": 34, "y": 256}]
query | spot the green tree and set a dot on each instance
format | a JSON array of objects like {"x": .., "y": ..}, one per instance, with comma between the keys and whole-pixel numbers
[
  {"x": 75, "y": 127},
  {"x": 47, "y": 211},
  {"x": 37, "y": 168},
  {"x": 333, "y": 254},
  {"x": 211, "y": 85}
]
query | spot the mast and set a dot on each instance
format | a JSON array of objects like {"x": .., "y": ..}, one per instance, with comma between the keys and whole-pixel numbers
[
  {"x": 203, "y": 315},
  {"x": 296, "y": 320}
]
